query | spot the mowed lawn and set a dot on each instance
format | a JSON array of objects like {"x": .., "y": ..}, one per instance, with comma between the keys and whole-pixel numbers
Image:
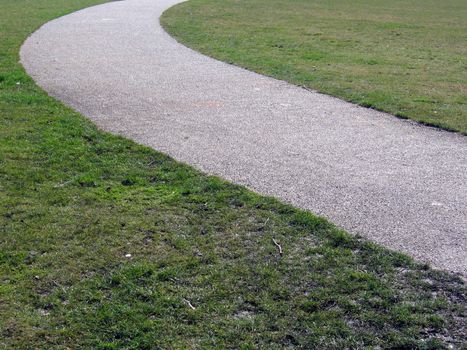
[
  {"x": 405, "y": 57},
  {"x": 105, "y": 244}
]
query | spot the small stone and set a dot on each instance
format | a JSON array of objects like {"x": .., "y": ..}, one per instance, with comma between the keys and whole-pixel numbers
[
  {"x": 128, "y": 256},
  {"x": 44, "y": 312}
]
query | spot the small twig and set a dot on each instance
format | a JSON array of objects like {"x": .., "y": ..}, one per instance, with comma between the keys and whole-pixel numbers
[
  {"x": 151, "y": 162},
  {"x": 63, "y": 184},
  {"x": 278, "y": 246},
  {"x": 307, "y": 88},
  {"x": 189, "y": 304},
  {"x": 59, "y": 286},
  {"x": 263, "y": 227}
]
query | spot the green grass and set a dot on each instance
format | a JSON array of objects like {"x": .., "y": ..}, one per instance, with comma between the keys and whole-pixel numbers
[
  {"x": 405, "y": 57},
  {"x": 74, "y": 201}
]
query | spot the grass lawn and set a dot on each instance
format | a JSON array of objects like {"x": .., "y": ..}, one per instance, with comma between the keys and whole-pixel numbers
[
  {"x": 105, "y": 244},
  {"x": 405, "y": 57}
]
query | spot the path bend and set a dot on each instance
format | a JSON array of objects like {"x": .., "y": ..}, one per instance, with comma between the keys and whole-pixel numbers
[{"x": 396, "y": 182}]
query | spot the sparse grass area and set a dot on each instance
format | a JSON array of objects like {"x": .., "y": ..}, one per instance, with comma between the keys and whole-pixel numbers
[
  {"x": 405, "y": 57},
  {"x": 75, "y": 201}
]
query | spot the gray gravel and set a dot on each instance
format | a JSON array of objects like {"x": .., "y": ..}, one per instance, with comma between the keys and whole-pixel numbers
[{"x": 398, "y": 183}]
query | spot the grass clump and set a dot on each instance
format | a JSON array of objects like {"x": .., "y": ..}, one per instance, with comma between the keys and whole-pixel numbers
[
  {"x": 105, "y": 244},
  {"x": 407, "y": 58}
]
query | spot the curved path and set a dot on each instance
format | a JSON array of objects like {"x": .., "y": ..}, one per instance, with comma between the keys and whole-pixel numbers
[{"x": 398, "y": 183}]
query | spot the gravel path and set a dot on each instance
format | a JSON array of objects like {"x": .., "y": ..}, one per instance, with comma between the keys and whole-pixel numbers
[{"x": 393, "y": 181}]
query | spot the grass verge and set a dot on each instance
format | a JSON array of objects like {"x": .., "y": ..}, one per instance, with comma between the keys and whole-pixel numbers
[
  {"x": 407, "y": 58},
  {"x": 105, "y": 244}
]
